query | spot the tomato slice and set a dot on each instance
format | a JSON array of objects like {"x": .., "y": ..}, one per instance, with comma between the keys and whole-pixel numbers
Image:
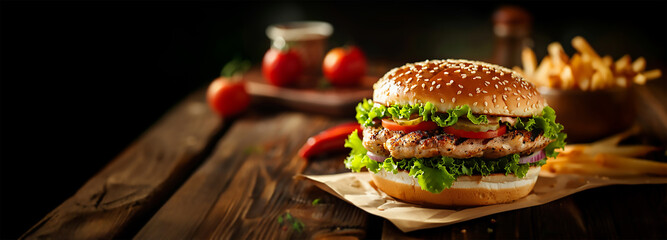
[
  {"x": 423, "y": 126},
  {"x": 468, "y": 134}
]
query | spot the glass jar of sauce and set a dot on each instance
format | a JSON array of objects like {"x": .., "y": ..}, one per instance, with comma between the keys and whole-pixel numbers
[{"x": 308, "y": 38}]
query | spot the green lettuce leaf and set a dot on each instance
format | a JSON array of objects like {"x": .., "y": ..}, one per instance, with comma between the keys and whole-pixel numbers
[
  {"x": 358, "y": 158},
  {"x": 367, "y": 111},
  {"x": 546, "y": 122}
]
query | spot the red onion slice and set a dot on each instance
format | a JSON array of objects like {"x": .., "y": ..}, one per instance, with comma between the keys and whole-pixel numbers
[
  {"x": 377, "y": 158},
  {"x": 537, "y": 156}
]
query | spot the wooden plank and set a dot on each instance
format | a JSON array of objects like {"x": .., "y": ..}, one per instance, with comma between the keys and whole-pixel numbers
[
  {"x": 138, "y": 180},
  {"x": 248, "y": 184}
]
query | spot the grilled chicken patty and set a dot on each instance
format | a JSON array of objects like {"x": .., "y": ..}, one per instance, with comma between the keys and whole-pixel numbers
[{"x": 424, "y": 144}]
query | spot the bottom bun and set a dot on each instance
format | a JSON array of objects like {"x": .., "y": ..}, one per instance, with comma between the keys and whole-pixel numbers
[{"x": 465, "y": 191}]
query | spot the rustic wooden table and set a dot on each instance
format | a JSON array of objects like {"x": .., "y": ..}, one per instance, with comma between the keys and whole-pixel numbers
[{"x": 193, "y": 176}]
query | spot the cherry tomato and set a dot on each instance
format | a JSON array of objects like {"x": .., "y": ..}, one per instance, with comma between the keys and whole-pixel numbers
[
  {"x": 227, "y": 97},
  {"x": 329, "y": 140},
  {"x": 282, "y": 68},
  {"x": 423, "y": 126},
  {"x": 468, "y": 134},
  {"x": 344, "y": 66}
]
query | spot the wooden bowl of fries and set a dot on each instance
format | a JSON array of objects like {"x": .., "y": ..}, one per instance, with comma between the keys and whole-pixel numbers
[
  {"x": 592, "y": 95},
  {"x": 588, "y": 116}
]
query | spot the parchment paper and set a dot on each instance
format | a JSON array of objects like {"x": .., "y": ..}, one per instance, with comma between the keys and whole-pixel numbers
[{"x": 356, "y": 189}]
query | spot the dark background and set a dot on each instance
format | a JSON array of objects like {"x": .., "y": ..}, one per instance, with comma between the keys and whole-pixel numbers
[{"x": 81, "y": 80}]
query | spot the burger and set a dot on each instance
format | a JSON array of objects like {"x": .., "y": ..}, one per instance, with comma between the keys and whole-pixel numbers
[{"x": 454, "y": 133}]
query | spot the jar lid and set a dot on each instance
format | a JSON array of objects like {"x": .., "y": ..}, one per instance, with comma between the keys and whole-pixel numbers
[{"x": 302, "y": 30}]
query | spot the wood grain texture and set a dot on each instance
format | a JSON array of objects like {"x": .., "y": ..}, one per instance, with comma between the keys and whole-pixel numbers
[
  {"x": 136, "y": 181},
  {"x": 247, "y": 185}
]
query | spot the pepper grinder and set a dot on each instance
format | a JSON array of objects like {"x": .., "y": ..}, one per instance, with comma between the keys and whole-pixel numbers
[{"x": 512, "y": 29}]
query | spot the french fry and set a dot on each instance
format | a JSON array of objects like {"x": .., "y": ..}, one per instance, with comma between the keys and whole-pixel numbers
[
  {"x": 621, "y": 81},
  {"x": 639, "y": 64},
  {"x": 624, "y": 151},
  {"x": 622, "y": 65},
  {"x": 606, "y": 158},
  {"x": 529, "y": 61},
  {"x": 582, "y": 46},
  {"x": 639, "y": 79},
  {"x": 591, "y": 169},
  {"x": 607, "y": 60},
  {"x": 639, "y": 165},
  {"x": 541, "y": 75},
  {"x": 567, "y": 78},
  {"x": 585, "y": 70},
  {"x": 596, "y": 81},
  {"x": 652, "y": 74},
  {"x": 557, "y": 54}
]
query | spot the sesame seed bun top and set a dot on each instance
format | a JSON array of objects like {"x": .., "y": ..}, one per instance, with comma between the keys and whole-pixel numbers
[{"x": 486, "y": 88}]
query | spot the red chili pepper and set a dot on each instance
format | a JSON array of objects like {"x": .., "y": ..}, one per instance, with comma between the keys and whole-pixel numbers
[{"x": 329, "y": 140}]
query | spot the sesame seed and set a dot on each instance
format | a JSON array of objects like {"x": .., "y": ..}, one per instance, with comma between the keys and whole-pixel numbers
[
  {"x": 463, "y": 75},
  {"x": 518, "y": 104},
  {"x": 496, "y": 86},
  {"x": 409, "y": 79},
  {"x": 518, "y": 98},
  {"x": 470, "y": 94},
  {"x": 486, "y": 103},
  {"x": 446, "y": 73},
  {"x": 484, "y": 91},
  {"x": 474, "y": 104},
  {"x": 458, "y": 93},
  {"x": 486, "y": 83},
  {"x": 478, "y": 90},
  {"x": 433, "y": 83},
  {"x": 473, "y": 72},
  {"x": 515, "y": 94},
  {"x": 505, "y": 97},
  {"x": 486, "y": 111},
  {"x": 439, "y": 79},
  {"x": 460, "y": 86},
  {"x": 423, "y": 85},
  {"x": 437, "y": 87},
  {"x": 453, "y": 100},
  {"x": 442, "y": 100},
  {"x": 430, "y": 89},
  {"x": 457, "y": 71},
  {"x": 502, "y": 74}
]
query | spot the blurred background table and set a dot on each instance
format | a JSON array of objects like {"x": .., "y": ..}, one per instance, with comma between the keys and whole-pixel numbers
[{"x": 83, "y": 81}]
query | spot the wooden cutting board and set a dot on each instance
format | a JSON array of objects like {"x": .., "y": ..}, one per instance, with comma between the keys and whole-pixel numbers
[{"x": 328, "y": 100}]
